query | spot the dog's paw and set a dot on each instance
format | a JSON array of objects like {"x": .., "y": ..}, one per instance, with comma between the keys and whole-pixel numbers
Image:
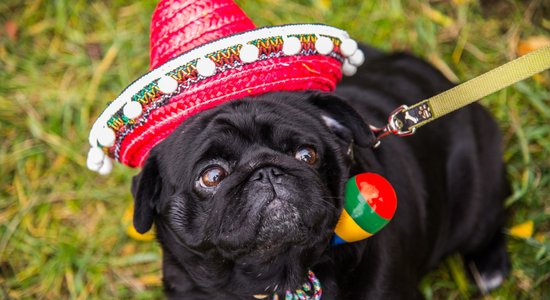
[
  {"x": 490, "y": 266},
  {"x": 490, "y": 281}
]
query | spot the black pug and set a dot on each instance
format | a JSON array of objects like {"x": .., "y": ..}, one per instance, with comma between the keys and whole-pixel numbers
[{"x": 245, "y": 196}]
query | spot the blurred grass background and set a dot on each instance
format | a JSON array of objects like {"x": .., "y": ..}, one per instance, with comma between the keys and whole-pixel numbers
[{"x": 64, "y": 230}]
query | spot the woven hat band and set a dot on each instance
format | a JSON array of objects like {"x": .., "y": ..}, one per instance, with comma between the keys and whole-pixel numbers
[{"x": 251, "y": 80}]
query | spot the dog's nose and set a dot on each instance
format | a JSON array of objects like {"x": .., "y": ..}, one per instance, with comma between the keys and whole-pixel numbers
[{"x": 267, "y": 174}]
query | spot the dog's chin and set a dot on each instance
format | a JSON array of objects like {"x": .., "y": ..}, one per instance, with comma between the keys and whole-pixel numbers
[
  {"x": 281, "y": 226},
  {"x": 285, "y": 247},
  {"x": 264, "y": 221}
]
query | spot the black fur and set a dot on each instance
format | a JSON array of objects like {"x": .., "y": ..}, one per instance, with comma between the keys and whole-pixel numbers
[{"x": 271, "y": 218}]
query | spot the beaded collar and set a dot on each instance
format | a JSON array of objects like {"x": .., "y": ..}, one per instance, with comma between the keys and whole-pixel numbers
[{"x": 310, "y": 290}]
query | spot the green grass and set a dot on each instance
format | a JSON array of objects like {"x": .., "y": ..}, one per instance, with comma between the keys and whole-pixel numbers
[{"x": 61, "y": 229}]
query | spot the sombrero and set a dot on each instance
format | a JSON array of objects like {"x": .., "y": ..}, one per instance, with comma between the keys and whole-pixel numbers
[{"x": 205, "y": 53}]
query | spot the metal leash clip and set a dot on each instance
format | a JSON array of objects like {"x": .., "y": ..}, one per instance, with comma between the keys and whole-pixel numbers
[{"x": 394, "y": 127}]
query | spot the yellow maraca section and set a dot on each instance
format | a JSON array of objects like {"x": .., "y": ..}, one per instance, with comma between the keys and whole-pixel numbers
[{"x": 348, "y": 230}]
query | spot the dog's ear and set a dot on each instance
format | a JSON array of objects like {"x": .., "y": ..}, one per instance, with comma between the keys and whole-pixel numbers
[
  {"x": 146, "y": 187},
  {"x": 343, "y": 120}
]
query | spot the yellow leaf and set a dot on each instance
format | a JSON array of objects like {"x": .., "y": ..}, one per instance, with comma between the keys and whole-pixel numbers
[
  {"x": 151, "y": 280},
  {"x": 523, "y": 230},
  {"x": 540, "y": 237},
  {"x": 128, "y": 214}
]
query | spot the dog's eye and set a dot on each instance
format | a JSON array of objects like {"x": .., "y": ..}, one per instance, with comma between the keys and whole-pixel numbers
[
  {"x": 212, "y": 176},
  {"x": 306, "y": 154}
]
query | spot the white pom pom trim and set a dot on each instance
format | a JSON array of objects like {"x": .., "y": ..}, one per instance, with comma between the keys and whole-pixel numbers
[
  {"x": 348, "y": 47},
  {"x": 348, "y": 69},
  {"x": 96, "y": 155},
  {"x": 107, "y": 167},
  {"x": 95, "y": 158},
  {"x": 357, "y": 59},
  {"x": 92, "y": 166},
  {"x": 206, "y": 67},
  {"x": 291, "y": 45},
  {"x": 167, "y": 84},
  {"x": 249, "y": 53},
  {"x": 132, "y": 110},
  {"x": 324, "y": 45},
  {"x": 106, "y": 137}
]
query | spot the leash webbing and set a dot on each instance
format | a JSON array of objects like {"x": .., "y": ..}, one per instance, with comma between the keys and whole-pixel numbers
[{"x": 405, "y": 120}]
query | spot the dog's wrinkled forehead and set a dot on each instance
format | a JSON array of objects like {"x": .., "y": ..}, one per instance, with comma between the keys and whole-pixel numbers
[{"x": 226, "y": 132}]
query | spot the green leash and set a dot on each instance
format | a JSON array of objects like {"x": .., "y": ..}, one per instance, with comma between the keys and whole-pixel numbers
[{"x": 405, "y": 120}]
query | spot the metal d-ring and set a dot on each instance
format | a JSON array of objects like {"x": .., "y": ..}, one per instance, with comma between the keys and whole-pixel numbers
[{"x": 394, "y": 126}]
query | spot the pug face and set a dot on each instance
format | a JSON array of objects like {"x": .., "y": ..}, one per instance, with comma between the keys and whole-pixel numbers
[{"x": 245, "y": 196}]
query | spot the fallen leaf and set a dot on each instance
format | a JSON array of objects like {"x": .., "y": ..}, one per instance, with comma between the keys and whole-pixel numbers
[
  {"x": 523, "y": 230},
  {"x": 128, "y": 214},
  {"x": 150, "y": 280},
  {"x": 11, "y": 30},
  {"x": 531, "y": 44}
]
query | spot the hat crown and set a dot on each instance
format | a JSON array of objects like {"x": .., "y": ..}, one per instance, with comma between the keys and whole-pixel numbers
[{"x": 178, "y": 26}]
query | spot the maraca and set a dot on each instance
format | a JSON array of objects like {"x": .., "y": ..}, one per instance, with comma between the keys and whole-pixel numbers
[{"x": 370, "y": 203}]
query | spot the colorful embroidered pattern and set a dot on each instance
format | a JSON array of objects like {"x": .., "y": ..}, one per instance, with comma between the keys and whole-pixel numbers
[
  {"x": 269, "y": 45},
  {"x": 226, "y": 56},
  {"x": 185, "y": 73},
  {"x": 307, "y": 41}
]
